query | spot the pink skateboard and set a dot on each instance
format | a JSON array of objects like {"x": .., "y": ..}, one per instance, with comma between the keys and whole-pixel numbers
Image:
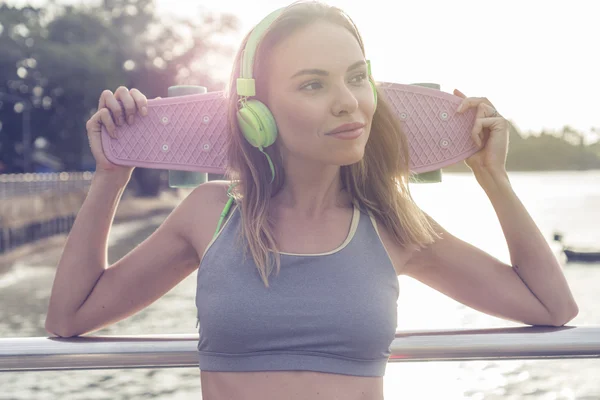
[{"x": 188, "y": 133}]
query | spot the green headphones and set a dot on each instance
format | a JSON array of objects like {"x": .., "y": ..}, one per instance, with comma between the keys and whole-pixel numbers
[{"x": 254, "y": 118}]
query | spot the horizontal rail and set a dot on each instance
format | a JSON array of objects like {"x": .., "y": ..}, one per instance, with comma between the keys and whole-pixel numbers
[{"x": 162, "y": 351}]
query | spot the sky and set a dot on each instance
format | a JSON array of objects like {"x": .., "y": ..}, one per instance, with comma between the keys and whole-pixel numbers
[{"x": 537, "y": 61}]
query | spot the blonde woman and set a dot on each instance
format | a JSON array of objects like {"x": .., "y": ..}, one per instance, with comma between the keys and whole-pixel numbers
[{"x": 299, "y": 251}]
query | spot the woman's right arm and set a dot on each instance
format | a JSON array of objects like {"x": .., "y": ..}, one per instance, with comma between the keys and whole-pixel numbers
[
  {"x": 84, "y": 256},
  {"x": 87, "y": 294}
]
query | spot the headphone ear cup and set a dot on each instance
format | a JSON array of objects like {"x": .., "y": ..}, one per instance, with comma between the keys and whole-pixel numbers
[
  {"x": 250, "y": 126},
  {"x": 257, "y": 124}
]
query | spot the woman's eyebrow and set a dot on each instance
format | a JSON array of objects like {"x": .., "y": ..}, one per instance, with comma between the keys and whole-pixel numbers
[{"x": 325, "y": 73}]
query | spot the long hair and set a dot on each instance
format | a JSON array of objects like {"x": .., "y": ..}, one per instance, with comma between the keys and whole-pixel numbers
[{"x": 377, "y": 183}]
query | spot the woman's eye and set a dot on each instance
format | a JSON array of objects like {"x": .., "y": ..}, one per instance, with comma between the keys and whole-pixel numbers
[
  {"x": 361, "y": 77},
  {"x": 358, "y": 79},
  {"x": 311, "y": 84}
]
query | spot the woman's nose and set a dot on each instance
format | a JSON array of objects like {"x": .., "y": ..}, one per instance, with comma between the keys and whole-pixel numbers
[{"x": 345, "y": 100}]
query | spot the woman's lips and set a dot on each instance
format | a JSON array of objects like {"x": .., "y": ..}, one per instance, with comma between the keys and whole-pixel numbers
[{"x": 348, "y": 135}]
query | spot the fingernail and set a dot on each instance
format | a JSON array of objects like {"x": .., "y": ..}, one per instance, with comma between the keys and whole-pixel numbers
[
  {"x": 121, "y": 121},
  {"x": 459, "y": 109},
  {"x": 144, "y": 111}
]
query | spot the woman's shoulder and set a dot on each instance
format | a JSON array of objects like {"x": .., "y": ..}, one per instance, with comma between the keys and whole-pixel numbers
[
  {"x": 213, "y": 192},
  {"x": 398, "y": 253},
  {"x": 202, "y": 209}
]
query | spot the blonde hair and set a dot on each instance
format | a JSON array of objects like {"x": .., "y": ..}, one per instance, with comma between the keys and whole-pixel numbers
[{"x": 378, "y": 183}]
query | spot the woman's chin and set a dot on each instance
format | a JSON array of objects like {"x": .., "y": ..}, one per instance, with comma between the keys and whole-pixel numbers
[{"x": 347, "y": 157}]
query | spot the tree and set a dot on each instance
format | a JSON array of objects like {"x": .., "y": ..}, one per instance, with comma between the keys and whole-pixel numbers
[{"x": 61, "y": 58}]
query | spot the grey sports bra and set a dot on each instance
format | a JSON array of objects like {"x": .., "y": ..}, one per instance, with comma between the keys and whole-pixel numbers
[{"x": 333, "y": 312}]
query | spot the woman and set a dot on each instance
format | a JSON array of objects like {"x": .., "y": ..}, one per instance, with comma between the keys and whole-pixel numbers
[{"x": 297, "y": 287}]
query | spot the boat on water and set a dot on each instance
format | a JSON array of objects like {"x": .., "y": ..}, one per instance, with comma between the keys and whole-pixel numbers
[{"x": 578, "y": 254}]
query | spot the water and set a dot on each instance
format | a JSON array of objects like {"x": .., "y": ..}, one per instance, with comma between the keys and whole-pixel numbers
[{"x": 564, "y": 201}]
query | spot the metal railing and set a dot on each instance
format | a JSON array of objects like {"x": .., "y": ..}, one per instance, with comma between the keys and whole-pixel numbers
[
  {"x": 21, "y": 185},
  {"x": 162, "y": 351}
]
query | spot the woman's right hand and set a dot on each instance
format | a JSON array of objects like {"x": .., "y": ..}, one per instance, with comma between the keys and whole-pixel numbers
[{"x": 114, "y": 110}]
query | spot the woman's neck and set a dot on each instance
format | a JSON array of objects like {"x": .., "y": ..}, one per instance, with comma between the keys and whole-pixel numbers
[{"x": 311, "y": 190}]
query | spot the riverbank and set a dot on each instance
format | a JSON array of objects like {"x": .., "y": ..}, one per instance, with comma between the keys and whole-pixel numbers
[{"x": 130, "y": 208}]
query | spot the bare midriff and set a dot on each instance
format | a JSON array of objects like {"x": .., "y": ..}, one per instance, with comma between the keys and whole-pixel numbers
[{"x": 289, "y": 385}]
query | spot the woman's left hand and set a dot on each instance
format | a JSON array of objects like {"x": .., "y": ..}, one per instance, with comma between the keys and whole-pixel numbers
[{"x": 490, "y": 132}]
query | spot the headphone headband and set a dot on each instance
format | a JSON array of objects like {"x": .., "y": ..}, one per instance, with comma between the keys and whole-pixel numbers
[{"x": 245, "y": 83}]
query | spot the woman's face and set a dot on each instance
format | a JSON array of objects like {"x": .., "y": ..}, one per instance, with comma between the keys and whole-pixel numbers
[{"x": 317, "y": 81}]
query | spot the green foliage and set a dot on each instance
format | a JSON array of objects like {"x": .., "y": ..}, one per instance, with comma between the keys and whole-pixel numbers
[
  {"x": 546, "y": 152},
  {"x": 59, "y": 59}
]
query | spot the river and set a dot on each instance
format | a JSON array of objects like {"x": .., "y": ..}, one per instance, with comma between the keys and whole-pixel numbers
[{"x": 558, "y": 201}]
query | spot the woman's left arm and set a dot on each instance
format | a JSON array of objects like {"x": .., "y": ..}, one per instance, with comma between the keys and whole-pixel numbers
[
  {"x": 531, "y": 256},
  {"x": 473, "y": 276}
]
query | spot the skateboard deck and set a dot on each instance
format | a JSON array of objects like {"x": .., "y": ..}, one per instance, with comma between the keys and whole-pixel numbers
[{"x": 188, "y": 133}]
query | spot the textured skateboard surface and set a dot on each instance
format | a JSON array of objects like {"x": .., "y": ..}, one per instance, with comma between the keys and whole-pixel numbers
[{"x": 188, "y": 133}]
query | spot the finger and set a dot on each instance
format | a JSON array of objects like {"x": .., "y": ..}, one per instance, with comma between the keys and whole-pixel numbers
[
  {"x": 106, "y": 119},
  {"x": 484, "y": 127},
  {"x": 102, "y": 99},
  {"x": 115, "y": 108},
  {"x": 484, "y": 110},
  {"x": 471, "y": 102},
  {"x": 459, "y": 93},
  {"x": 477, "y": 131},
  {"x": 140, "y": 100},
  {"x": 122, "y": 94},
  {"x": 483, "y": 120},
  {"x": 103, "y": 96},
  {"x": 94, "y": 124}
]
